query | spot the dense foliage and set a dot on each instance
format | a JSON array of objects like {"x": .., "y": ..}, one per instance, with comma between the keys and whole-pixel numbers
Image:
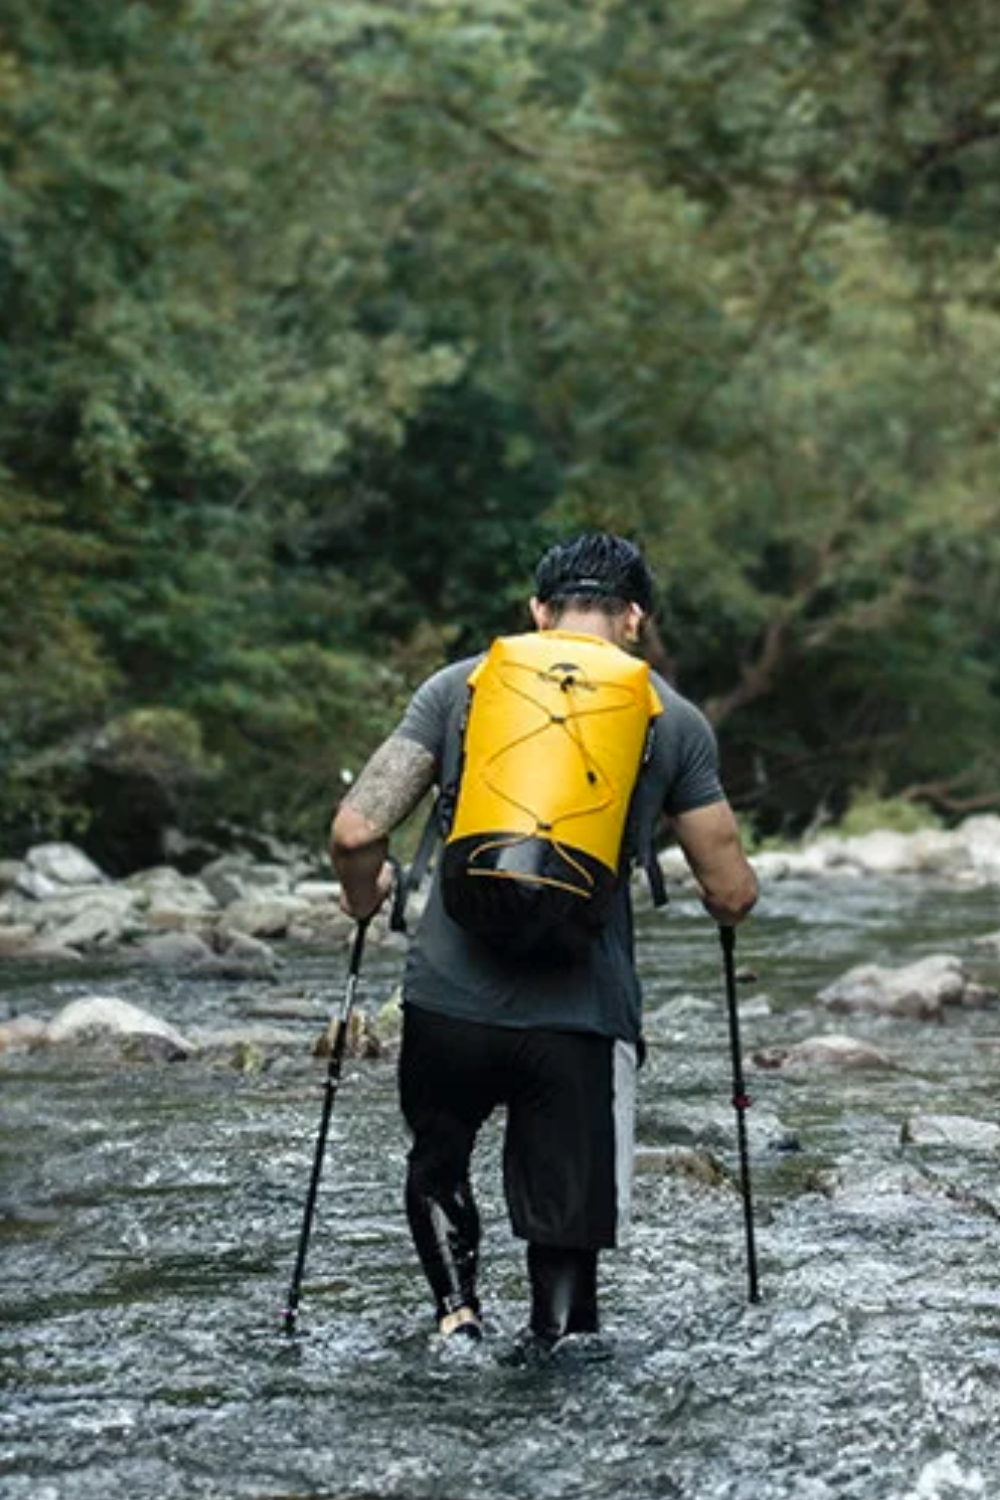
[{"x": 318, "y": 321}]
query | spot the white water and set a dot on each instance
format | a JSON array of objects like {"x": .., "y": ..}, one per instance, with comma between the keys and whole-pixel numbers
[{"x": 150, "y": 1215}]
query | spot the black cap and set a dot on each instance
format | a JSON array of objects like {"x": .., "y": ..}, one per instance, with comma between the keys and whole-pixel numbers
[{"x": 595, "y": 565}]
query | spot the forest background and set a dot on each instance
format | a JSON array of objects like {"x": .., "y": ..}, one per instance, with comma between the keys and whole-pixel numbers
[{"x": 319, "y": 320}]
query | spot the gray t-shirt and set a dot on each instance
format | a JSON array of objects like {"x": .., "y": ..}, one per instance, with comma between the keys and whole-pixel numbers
[{"x": 452, "y": 972}]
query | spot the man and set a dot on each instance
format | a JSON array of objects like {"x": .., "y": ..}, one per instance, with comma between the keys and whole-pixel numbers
[{"x": 556, "y": 1044}]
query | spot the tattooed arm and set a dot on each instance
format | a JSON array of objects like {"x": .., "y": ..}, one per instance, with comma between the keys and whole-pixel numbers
[{"x": 391, "y": 785}]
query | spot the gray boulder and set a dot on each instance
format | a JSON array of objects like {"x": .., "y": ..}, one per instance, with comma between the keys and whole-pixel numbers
[
  {"x": 238, "y": 957},
  {"x": 236, "y": 877},
  {"x": 63, "y": 864},
  {"x": 171, "y": 901},
  {"x": 100, "y": 918},
  {"x": 175, "y": 950},
  {"x": 265, "y": 916},
  {"x": 93, "y": 1017},
  {"x": 919, "y": 991}
]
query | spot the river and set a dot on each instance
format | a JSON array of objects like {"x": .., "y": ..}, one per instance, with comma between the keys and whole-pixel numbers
[{"x": 150, "y": 1211}]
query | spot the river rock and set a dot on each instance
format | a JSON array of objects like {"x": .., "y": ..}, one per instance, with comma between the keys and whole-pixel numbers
[
  {"x": 238, "y": 956},
  {"x": 886, "y": 852},
  {"x": 330, "y": 927},
  {"x": 15, "y": 937},
  {"x": 317, "y": 892},
  {"x": 363, "y": 1039},
  {"x": 238, "y": 1046},
  {"x": 264, "y": 916},
  {"x": 680, "y": 1161},
  {"x": 64, "y": 864},
  {"x": 175, "y": 950},
  {"x": 95, "y": 1016},
  {"x": 713, "y": 1128},
  {"x": 236, "y": 877},
  {"x": 962, "y": 1132},
  {"x": 813, "y": 860},
  {"x": 171, "y": 901},
  {"x": 92, "y": 918},
  {"x": 833, "y": 1050},
  {"x": 971, "y": 851},
  {"x": 46, "y": 950},
  {"x": 35, "y": 885},
  {"x": 23, "y": 1034},
  {"x": 919, "y": 991},
  {"x": 980, "y": 838}
]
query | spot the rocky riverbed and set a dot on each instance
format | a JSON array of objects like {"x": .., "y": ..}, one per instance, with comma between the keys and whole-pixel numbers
[
  {"x": 240, "y": 917},
  {"x": 239, "y": 909}
]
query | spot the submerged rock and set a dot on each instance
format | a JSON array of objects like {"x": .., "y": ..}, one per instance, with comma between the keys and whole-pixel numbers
[
  {"x": 713, "y": 1128},
  {"x": 962, "y": 1132},
  {"x": 23, "y": 1034},
  {"x": 681, "y": 1161},
  {"x": 834, "y": 1050}
]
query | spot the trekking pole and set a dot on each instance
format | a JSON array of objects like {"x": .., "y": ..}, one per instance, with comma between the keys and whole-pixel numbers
[
  {"x": 333, "y": 1070},
  {"x": 741, "y": 1103}
]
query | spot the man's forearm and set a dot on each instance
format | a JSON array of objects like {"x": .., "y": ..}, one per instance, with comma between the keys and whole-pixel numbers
[
  {"x": 726, "y": 882},
  {"x": 389, "y": 787}
]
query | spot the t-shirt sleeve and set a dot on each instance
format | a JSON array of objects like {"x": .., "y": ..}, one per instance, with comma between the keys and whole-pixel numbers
[
  {"x": 695, "y": 780},
  {"x": 427, "y": 714}
]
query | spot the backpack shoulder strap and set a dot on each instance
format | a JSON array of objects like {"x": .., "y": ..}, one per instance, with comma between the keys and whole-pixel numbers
[
  {"x": 434, "y": 830},
  {"x": 647, "y": 853},
  {"x": 408, "y": 880}
]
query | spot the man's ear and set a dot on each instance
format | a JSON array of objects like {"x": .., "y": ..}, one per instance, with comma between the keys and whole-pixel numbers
[
  {"x": 633, "y": 623},
  {"x": 541, "y": 614}
]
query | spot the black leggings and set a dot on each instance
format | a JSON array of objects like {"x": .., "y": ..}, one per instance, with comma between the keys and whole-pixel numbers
[
  {"x": 559, "y": 1160},
  {"x": 445, "y": 1229}
]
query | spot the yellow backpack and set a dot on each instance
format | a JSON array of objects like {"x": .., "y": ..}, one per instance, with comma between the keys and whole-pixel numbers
[{"x": 557, "y": 730}]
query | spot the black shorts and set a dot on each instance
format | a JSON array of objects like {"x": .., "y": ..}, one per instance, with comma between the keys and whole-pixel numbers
[{"x": 568, "y": 1144}]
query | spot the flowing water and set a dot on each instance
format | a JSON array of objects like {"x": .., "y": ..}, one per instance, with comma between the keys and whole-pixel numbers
[{"x": 150, "y": 1213}]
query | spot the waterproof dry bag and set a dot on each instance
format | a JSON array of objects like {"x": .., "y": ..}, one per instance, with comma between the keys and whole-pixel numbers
[{"x": 556, "y": 732}]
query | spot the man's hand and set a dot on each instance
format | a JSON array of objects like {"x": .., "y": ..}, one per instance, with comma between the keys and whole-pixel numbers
[
  {"x": 360, "y": 858},
  {"x": 362, "y": 898}
]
